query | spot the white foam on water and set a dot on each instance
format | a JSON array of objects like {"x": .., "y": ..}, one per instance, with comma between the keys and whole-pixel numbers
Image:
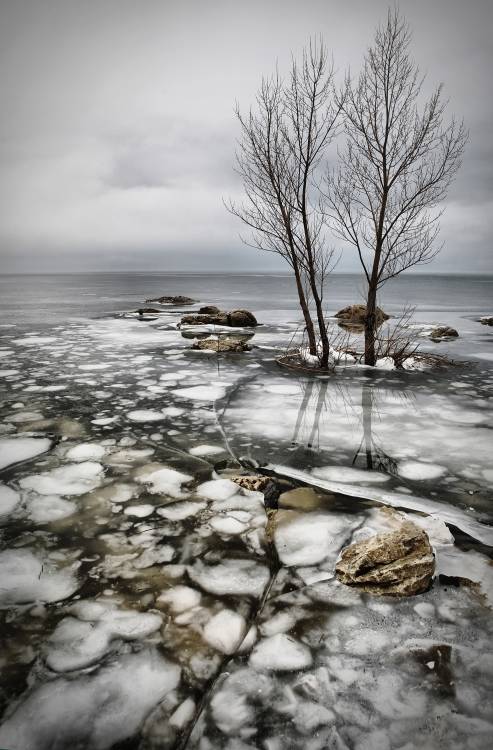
[
  {"x": 280, "y": 653},
  {"x": 225, "y": 631},
  {"x": 72, "y": 479},
  {"x": 95, "y": 711}
]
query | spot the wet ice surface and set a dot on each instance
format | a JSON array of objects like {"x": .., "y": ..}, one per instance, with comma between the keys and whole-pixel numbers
[{"x": 146, "y": 600}]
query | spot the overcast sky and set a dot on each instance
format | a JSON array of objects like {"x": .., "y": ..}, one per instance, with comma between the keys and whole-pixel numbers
[{"x": 117, "y": 133}]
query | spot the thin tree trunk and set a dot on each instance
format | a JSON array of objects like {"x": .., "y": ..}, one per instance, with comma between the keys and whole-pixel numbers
[
  {"x": 310, "y": 329},
  {"x": 370, "y": 324}
]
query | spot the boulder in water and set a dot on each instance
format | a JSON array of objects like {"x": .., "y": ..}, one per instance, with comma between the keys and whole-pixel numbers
[
  {"x": 222, "y": 345},
  {"x": 356, "y": 314},
  {"x": 487, "y": 320},
  {"x": 173, "y": 300},
  {"x": 234, "y": 319},
  {"x": 209, "y": 310},
  {"x": 443, "y": 332},
  {"x": 396, "y": 563}
]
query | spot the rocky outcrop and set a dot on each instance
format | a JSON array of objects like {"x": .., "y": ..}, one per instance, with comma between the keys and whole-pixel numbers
[
  {"x": 222, "y": 345},
  {"x": 355, "y": 315},
  {"x": 486, "y": 320},
  {"x": 209, "y": 310},
  {"x": 234, "y": 319},
  {"x": 146, "y": 311},
  {"x": 443, "y": 332},
  {"x": 253, "y": 482},
  {"x": 176, "y": 300},
  {"x": 397, "y": 563}
]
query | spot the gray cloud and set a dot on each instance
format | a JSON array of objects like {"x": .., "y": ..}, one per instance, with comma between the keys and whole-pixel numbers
[{"x": 117, "y": 135}]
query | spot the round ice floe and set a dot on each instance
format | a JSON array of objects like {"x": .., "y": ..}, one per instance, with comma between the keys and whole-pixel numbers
[
  {"x": 234, "y": 577},
  {"x": 139, "y": 511},
  {"x": 86, "y": 452},
  {"x": 14, "y": 450},
  {"x": 180, "y": 598},
  {"x": 73, "y": 479},
  {"x": 9, "y": 499},
  {"x": 349, "y": 475},
  {"x": 283, "y": 389},
  {"x": 206, "y": 450},
  {"x": 218, "y": 489},
  {"x": 227, "y": 525},
  {"x": 50, "y": 508},
  {"x": 24, "y": 416},
  {"x": 99, "y": 366},
  {"x": 201, "y": 392},
  {"x": 225, "y": 631},
  {"x": 128, "y": 690},
  {"x": 180, "y": 511},
  {"x": 34, "y": 340},
  {"x": 418, "y": 470},
  {"x": 103, "y": 421},
  {"x": 7, "y": 373},
  {"x": 145, "y": 415},
  {"x": 308, "y": 538},
  {"x": 165, "y": 481},
  {"x": 25, "y": 578},
  {"x": 280, "y": 653}
]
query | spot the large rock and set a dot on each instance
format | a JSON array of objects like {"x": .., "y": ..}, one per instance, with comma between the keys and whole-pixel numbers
[
  {"x": 222, "y": 345},
  {"x": 397, "y": 563},
  {"x": 234, "y": 319},
  {"x": 487, "y": 320},
  {"x": 443, "y": 332},
  {"x": 356, "y": 314},
  {"x": 209, "y": 310},
  {"x": 176, "y": 300}
]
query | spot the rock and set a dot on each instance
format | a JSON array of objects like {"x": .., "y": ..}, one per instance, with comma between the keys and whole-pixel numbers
[
  {"x": 397, "y": 563},
  {"x": 254, "y": 482},
  {"x": 146, "y": 310},
  {"x": 301, "y": 498},
  {"x": 486, "y": 321},
  {"x": 355, "y": 314},
  {"x": 209, "y": 310},
  {"x": 177, "y": 300},
  {"x": 443, "y": 332},
  {"x": 222, "y": 345},
  {"x": 234, "y": 319}
]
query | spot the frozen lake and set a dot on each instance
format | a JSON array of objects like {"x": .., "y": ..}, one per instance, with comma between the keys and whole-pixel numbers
[{"x": 149, "y": 602}]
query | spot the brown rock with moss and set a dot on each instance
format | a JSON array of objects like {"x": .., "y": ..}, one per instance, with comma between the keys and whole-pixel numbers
[
  {"x": 173, "y": 300},
  {"x": 396, "y": 563},
  {"x": 234, "y": 319},
  {"x": 222, "y": 345},
  {"x": 443, "y": 332},
  {"x": 356, "y": 314}
]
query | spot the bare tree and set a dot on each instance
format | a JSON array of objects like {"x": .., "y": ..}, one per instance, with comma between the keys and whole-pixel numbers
[
  {"x": 283, "y": 143},
  {"x": 397, "y": 164}
]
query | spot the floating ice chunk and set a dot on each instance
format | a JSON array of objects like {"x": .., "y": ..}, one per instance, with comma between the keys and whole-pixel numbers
[
  {"x": 165, "y": 481},
  {"x": 25, "y": 578},
  {"x": 225, "y": 631},
  {"x": 309, "y": 538},
  {"x": 128, "y": 456},
  {"x": 50, "y": 508},
  {"x": 418, "y": 470},
  {"x": 9, "y": 500},
  {"x": 284, "y": 389},
  {"x": 76, "y": 644},
  {"x": 180, "y": 598},
  {"x": 103, "y": 421},
  {"x": 24, "y": 416},
  {"x": 139, "y": 511},
  {"x": 201, "y": 392},
  {"x": 280, "y": 622},
  {"x": 7, "y": 373},
  {"x": 348, "y": 474},
  {"x": 95, "y": 711},
  {"x": 470, "y": 565},
  {"x": 86, "y": 452},
  {"x": 447, "y": 513},
  {"x": 145, "y": 415},
  {"x": 227, "y": 525},
  {"x": 34, "y": 340},
  {"x": 233, "y": 577},
  {"x": 206, "y": 450},
  {"x": 385, "y": 363},
  {"x": 73, "y": 479},
  {"x": 120, "y": 492},
  {"x": 183, "y": 714},
  {"x": 98, "y": 366},
  {"x": 162, "y": 554},
  {"x": 280, "y": 653},
  {"x": 436, "y": 529},
  {"x": 218, "y": 489},
  {"x": 14, "y": 450},
  {"x": 180, "y": 511}
]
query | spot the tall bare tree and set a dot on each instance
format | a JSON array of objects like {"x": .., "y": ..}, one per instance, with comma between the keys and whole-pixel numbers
[
  {"x": 397, "y": 164},
  {"x": 283, "y": 143}
]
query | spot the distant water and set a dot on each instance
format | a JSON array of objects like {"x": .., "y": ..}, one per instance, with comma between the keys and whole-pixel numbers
[{"x": 44, "y": 300}]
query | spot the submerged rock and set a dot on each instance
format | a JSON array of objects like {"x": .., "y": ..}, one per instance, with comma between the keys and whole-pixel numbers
[
  {"x": 398, "y": 563},
  {"x": 174, "y": 300},
  {"x": 443, "y": 332},
  {"x": 356, "y": 314},
  {"x": 235, "y": 319},
  {"x": 222, "y": 345}
]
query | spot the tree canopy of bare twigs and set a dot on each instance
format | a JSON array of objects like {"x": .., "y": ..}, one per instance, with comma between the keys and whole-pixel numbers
[
  {"x": 284, "y": 140},
  {"x": 397, "y": 164}
]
